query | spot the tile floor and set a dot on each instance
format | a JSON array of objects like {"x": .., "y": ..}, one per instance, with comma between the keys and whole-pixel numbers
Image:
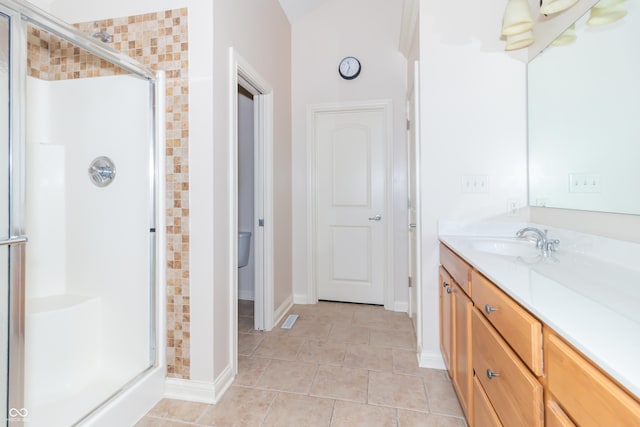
[{"x": 340, "y": 365}]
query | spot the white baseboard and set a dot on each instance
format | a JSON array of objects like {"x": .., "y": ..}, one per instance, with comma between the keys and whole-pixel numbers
[
  {"x": 402, "y": 307},
  {"x": 282, "y": 310},
  {"x": 431, "y": 360},
  {"x": 199, "y": 391},
  {"x": 300, "y": 299},
  {"x": 245, "y": 294}
]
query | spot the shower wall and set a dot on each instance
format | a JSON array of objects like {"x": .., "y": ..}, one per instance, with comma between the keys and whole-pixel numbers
[
  {"x": 158, "y": 40},
  {"x": 87, "y": 265}
]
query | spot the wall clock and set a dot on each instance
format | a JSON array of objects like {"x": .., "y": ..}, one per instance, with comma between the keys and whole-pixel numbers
[{"x": 349, "y": 68}]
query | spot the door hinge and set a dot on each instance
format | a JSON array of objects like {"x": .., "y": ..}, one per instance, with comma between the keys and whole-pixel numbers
[
  {"x": 261, "y": 222},
  {"x": 410, "y": 284},
  {"x": 408, "y": 124}
]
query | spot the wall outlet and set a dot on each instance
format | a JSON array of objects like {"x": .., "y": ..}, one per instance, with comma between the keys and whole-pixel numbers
[
  {"x": 513, "y": 207},
  {"x": 584, "y": 183},
  {"x": 475, "y": 184}
]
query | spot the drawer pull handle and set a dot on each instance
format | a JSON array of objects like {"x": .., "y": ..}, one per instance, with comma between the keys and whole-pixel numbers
[
  {"x": 445, "y": 284},
  {"x": 491, "y": 374},
  {"x": 488, "y": 309},
  {"x": 450, "y": 291}
]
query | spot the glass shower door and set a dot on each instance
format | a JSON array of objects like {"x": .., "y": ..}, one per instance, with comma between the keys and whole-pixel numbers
[{"x": 4, "y": 212}]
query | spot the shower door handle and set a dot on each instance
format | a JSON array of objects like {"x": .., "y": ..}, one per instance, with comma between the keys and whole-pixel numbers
[{"x": 14, "y": 240}]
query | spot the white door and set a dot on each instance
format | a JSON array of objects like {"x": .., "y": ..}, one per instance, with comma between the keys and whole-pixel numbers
[{"x": 351, "y": 240}]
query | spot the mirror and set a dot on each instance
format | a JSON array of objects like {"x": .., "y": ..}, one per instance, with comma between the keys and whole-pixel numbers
[{"x": 584, "y": 118}]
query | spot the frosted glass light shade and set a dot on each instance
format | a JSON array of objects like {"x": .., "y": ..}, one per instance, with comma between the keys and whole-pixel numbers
[
  {"x": 605, "y": 4},
  {"x": 518, "y": 41},
  {"x": 517, "y": 18},
  {"x": 603, "y": 16},
  {"x": 554, "y": 6},
  {"x": 568, "y": 37}
]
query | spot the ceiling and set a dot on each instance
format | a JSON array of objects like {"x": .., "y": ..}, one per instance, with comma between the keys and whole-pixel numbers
[{"x": 296, "y": 9}]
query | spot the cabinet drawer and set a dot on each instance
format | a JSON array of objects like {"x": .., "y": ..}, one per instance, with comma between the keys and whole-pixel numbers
[
  {"x": 515, "y": 393},
  {"x": 555, "y": 416},
  {"x": 483, "y": 413},
  {"x": 457, "y": 268},
  {"x": 519, "y": 328},
  {"x": 586, "y": 394}
]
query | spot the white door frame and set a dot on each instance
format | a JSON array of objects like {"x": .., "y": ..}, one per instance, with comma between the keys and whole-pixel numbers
[
  {"x": 414, "y": 98},
  {"x": 312, "y": 193},
  {"x": 242, "y": 73}
]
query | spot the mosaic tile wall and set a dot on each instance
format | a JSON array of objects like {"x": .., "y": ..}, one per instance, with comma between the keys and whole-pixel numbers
[{"x": 158, "y": 40}]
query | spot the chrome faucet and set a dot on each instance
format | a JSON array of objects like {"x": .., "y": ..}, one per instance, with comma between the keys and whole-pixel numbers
[{"x": 543, "y": 242}]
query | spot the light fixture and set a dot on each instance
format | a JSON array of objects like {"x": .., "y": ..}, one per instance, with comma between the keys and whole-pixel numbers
[
  {"x": 549, "y": 7},
  {"x": 517, "y": 18},
  {"x": 568, "y": 37},
  {"x": 518, "y": 41},
  {"x": 606, "y": 12}
]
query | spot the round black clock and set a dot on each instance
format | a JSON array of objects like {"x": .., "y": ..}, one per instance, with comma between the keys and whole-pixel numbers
[{"x": 349, "y": 68}]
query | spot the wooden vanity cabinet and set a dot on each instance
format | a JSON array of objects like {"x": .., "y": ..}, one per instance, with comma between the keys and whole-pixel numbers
[
  {"x": 446, "y": 319},
  {"x": 493, "y": 349},
  {"x": 587, "y": 395},
  {"x": 455, "y": 326}
]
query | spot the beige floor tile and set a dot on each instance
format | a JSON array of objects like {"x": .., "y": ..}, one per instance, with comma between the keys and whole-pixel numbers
[
  {"x": 397, "y": 391},
  {"x": 247, "y": 343},
  {"x": 420, "y": 419},
  {"x": 245, "y": 324},
  {"x": 178, "y": 410},
  {"x": 347, "y": 414},
  {"x": 294, "y": 410},
  {"x": 250, "y": 369},
  {"x": 382, "y": 319},
  {"x": 442, "y": 398},
  {"x": 151, "y": 422},
  {"x": 245, "y": 308},
  {"x": 393, "y": 338},
  {"x": 341, "y": 383},
  {"x": 310, "y": 328},
  {"x": 239, "y": 407},
  {"x": 406, "y": 362},
  {"x": 279, "y": 347},
  {"x": 176, "y": 424},
  {"x": 349, "y": 334},
  {"x": 294, "y": 377},
  {"x": 366, "y": 357},
  {"x": 434, "y": 375},
  {"x": 322, "y": 352}
]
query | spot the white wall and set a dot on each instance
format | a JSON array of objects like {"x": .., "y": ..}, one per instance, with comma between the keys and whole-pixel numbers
[
  {"x": 93, "y": 241},
  {"x": 473, "y": 122},
  {"x": 368, "y": 30},
  {"x": 260, "y": 33}
]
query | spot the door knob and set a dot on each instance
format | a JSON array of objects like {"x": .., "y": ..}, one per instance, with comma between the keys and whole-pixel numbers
[{"x": 378, "y": 217}]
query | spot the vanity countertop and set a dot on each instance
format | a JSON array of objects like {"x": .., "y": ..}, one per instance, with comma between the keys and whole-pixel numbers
[{"x": 588, "y": 291}]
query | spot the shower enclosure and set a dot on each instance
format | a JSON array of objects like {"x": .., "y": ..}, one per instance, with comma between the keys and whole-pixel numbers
[{"x": 80, "y": 255}]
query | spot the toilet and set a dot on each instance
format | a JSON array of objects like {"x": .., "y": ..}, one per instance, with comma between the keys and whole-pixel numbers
[{"x": 244, "y": 244}]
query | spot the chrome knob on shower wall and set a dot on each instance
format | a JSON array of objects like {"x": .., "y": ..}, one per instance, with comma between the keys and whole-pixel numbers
[{"x": 102, "y": 171}]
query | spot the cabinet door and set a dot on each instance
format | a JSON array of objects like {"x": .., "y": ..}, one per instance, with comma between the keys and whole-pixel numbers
[
  {"x": 446, "y": 319},
  {"x": 462, "y": 348},
  {"x": 586, "y": 394},
  {"x": 555, "y": 417},
  {"x": 483, "y": 413}
]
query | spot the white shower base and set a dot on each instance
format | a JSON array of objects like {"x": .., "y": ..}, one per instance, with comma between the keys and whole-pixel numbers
[{"x": 64, "y": 375}]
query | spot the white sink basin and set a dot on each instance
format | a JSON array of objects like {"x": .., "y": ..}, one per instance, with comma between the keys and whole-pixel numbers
[{"x": 506, "y": 247}]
